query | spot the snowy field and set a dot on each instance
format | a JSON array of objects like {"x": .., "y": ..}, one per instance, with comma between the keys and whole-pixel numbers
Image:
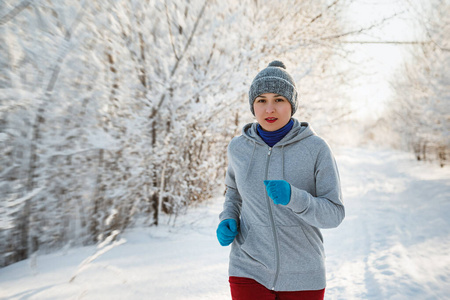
[{"x": 393, "y": 244}]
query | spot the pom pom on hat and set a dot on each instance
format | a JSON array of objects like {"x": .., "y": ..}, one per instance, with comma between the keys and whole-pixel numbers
[
  {"x": 277, "y": 63},
  {"x": 274, "y": 79}
]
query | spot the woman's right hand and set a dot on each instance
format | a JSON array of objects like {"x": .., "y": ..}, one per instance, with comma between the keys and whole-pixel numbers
[{"x": 227, "y": 231}]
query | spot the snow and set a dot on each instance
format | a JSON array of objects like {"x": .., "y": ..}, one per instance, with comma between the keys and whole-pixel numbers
[
  {"x": 395, "y": 240},
  {"x": 393, "y": 244}
]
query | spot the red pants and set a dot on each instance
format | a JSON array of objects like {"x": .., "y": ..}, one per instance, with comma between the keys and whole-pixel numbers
[{"x": 248, "y": 289}]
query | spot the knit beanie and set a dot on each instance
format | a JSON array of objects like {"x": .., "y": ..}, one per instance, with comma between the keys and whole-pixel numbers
[{"x": 274, "y": 79}]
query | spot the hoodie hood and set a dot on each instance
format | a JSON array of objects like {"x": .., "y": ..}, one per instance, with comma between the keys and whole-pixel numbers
[{"x": 299, "y": 131}]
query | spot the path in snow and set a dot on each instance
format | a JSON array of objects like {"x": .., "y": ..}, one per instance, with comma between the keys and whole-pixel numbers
[
  {"x": 393, "y": 244},
  {"x": 395, "y": 240}
]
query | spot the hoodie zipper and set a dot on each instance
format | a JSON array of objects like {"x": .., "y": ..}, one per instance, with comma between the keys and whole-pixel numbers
[{"x": 272, "y": 221}]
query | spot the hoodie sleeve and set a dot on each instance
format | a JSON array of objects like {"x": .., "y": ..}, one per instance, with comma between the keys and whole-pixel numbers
[
  {"x": 326, "y": 209},
  {"x": 233, "y": 201}
]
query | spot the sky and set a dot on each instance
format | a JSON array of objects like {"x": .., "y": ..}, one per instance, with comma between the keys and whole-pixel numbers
[{"x": 372, "y": 92}]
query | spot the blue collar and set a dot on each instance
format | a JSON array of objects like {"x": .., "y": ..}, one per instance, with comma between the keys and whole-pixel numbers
[{"x": 273, "y": 137}]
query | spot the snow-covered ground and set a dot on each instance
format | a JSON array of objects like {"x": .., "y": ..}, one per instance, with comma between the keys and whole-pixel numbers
[{"x": 393, "y": 244}]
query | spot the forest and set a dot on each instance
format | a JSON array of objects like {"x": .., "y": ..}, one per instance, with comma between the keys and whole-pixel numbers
[{"x": 114, "y": 113}]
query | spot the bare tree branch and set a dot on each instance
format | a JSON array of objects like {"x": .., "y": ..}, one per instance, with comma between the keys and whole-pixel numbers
[
  {"x": 321, "y": 14},
  {"x": 388, "y": 42},
  {"x": 361, "y": 30},
  {"x": 398, "y": 43},
  {"x": 425, "y": 25}
]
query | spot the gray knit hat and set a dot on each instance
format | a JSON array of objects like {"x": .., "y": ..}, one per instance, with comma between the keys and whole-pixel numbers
[{"x": 274, "y": 79}]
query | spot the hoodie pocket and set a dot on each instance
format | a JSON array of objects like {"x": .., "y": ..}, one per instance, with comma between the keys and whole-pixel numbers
[
  {"x": 299, "y": 251},
  {"x": 258, "y": 249}
]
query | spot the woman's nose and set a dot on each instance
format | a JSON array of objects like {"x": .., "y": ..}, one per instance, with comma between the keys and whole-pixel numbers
[{"x": 270, "y": 108}]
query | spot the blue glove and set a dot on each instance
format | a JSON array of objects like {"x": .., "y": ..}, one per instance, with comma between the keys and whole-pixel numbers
[
  {"x": 227, "y": 231},
  {"x": 279, "y": 191}
]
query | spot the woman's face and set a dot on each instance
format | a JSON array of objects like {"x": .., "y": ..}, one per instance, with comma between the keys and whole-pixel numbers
[{"x": 272, "y": 111}]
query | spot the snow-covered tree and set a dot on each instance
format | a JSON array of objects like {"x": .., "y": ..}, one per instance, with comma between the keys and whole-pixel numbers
[
  {"x": 421, "y": 110},
  {"x": 118, "y": 112}
]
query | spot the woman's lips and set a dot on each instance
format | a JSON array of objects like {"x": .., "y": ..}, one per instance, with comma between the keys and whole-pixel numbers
[{"x": 271, "y": 120}]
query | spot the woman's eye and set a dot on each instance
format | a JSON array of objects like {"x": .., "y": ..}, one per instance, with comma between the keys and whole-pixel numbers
[
  {"x": 261, "y": 101},
  {"x": 279, "y": 100}
]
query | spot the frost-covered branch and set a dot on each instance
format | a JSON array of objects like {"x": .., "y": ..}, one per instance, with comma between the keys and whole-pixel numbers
[
  {"x": 64, "y": 50},
  {"x": 321, "y": 14},
  {"x": 178, "y": 60},
  {"x": 14, "y": 12},
  {"x": 169, "y": 26}
]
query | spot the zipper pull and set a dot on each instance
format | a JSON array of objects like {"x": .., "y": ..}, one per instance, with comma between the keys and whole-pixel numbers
[{"x": 270, "y": 150}]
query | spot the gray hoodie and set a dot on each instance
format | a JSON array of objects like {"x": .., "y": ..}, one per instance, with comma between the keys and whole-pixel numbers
[{"x": 279, "y": 246}]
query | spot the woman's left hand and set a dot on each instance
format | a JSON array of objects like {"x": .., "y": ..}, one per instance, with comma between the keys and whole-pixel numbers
[{"x": 279, "y": 191}]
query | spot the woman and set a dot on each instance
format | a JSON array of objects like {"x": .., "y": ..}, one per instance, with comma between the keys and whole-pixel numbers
[{"x": 282, "y": 186}]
